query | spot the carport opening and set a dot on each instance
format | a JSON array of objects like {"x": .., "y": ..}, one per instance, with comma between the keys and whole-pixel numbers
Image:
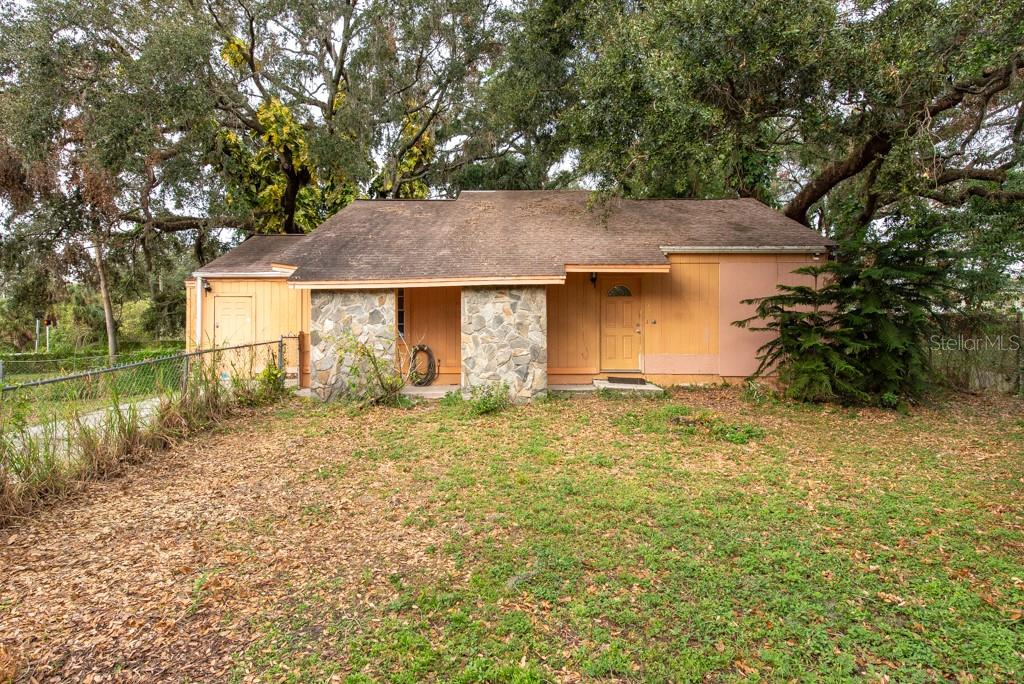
[{"x": 431, "y": 317}]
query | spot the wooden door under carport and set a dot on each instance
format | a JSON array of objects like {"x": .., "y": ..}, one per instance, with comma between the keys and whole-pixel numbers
[{"x": 433, "y": 316}]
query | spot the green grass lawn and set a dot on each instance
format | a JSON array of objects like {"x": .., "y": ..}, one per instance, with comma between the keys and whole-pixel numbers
[{"x": 688, "y": 538}]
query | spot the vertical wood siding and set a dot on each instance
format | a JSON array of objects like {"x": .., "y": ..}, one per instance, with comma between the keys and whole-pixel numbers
[
  {"x": 433, "y": 317},
  {"x": 574, "y": 310},
  {"x": 276, "y": 309},
  {"x": 688, "y": 315},
  {"x": 681, "y": 309},
  {"x": 190, "y": 315}
]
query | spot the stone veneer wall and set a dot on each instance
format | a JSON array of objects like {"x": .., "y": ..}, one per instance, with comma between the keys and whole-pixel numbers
[
  {"x": 505, "y": 339},
  {"x": 367, "y": 315}
]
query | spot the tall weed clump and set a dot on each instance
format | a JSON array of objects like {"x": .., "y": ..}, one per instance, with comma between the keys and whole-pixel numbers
[
  {"x": 41, "y": 460},
  {"x": 487, "y": 399},
  {"x": 482, "y": 400},
  {"x": 103, "y": 447},
  {"x": 374, "y": 377},
  {"x": 266, "y": 388},
  {"x": 30, "y": 463}
]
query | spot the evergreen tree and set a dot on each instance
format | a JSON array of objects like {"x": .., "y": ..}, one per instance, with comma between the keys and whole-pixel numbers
[{"x": 858, "y": 334}]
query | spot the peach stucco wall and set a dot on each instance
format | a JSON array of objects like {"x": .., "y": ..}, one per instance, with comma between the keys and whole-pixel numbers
[
  {"x": 740, "y": 281},
  {"x": 749, "y": 280}
]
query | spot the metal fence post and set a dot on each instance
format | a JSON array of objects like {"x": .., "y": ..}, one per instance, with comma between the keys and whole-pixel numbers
[
  {"x": 1020, "y": 353},
  {"x": 1, "y": 372},
  {"x": 186, "y": 368},
  {"x": 280, "y": 353}
]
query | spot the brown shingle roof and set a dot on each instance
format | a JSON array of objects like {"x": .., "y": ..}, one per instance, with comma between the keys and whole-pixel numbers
[
  {"x": 529, "y": 233},
  {"x": 255, "y": 255},
  {"x": 516, "y": 234}
]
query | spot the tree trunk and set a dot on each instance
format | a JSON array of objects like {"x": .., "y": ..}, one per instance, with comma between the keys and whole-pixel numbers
[
  {"x": 198, "y": 247},
  {"x": 147, "y": 253},
  {"x": 296, "y": 180},
  {"x": 876, "y": 147},
  {"x": 108, "y": 309}
]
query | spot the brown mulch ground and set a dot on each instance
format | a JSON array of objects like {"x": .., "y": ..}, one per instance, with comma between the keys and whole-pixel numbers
[
  {"x": 156, "y": 575},
  {"x": 167, "y": 572}
]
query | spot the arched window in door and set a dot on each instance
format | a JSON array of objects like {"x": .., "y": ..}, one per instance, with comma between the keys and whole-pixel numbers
[{"x": 619, "y": 291}]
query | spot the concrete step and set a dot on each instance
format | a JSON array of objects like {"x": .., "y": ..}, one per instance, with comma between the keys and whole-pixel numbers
[
  {"x": 626, "y": 387},
  {"x": 429, "y": 391}
]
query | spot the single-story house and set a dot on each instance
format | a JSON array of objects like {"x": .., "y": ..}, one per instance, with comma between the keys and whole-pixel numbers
[{"x": 530, "y": 288}]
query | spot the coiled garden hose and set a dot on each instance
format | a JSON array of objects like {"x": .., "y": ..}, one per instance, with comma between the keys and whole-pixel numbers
[{"x": 422, "y": 379}]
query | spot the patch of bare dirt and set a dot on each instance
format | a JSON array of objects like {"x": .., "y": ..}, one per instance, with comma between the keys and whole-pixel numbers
[{"x": 154, "y": 576}]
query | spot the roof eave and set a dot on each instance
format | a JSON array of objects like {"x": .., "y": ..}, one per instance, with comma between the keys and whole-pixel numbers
[
  {"x": 240, "y": 274},
  {"x": 618, "y": 268},
  {"x": 385, "y": 284},
  {"x": 746, "y": 249}
]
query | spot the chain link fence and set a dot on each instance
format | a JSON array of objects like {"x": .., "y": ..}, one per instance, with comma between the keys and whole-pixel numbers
[
  {"x": 132, "y": 382},
  {"x": 979, "y": 354},
  {"x": 59, "y": 431},
  {"x": 16, "y": 369}
]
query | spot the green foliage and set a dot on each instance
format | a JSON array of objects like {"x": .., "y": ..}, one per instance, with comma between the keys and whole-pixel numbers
[
  {"x": 258, "y": 186},
  {"x": 759, "y": 393},
  {"x": 658, "y": 421},
  {"x": 735, "y": 98},
  {"x": 130, "y": 321},
  {"x": 36, "y": 266},
  {"x": 374, "y": 378},
  {"x": 978, "y": 350},
  {"x": 452, "y": 399},
  {"x": 524, "y": 101},
  {"x": 682, "y": 98},
  {"x": 164, "y": 316},
  {"x": 736, "y": 433},
  {"x": 858, "y": 334},
  {"x": 31, "y": 366},
  {"x": 234, "y": 53},
  {"x": 266, "y": 388},
  {"x": 487, "y": 399},
  {"x": 483, "y": 400},
  {"x": 676, "y": 419},
  {"x": 403, "y": 179},
  {"x": 79, "y": 321}
]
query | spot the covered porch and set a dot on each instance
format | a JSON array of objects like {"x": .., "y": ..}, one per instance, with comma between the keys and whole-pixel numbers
[
  {"x": 479, "y": 335},
  {"x": 430, "y": 316},
  {"x": 604, "y": 322}
]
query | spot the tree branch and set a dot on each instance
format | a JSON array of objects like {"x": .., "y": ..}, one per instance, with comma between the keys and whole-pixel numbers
[
  {"x": 180, "y": 224},
  {"x": 989, "y": 82},
  {"x": 958, "y": 198},
  {"x": 948, "y": 176}
]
